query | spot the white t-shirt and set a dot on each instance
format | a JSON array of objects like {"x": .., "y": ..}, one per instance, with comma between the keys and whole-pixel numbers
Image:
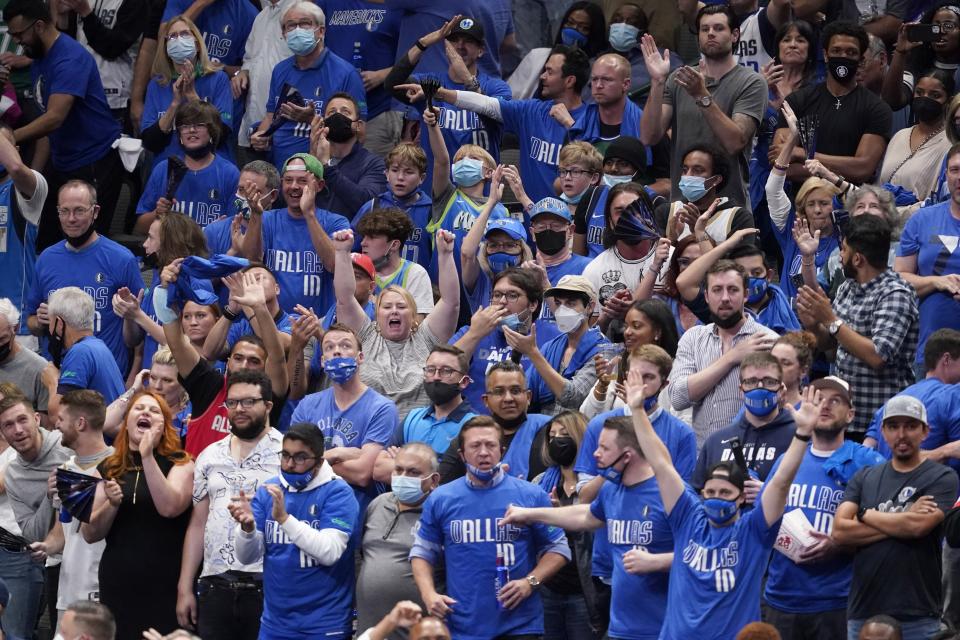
[
  {"x": 7, "y": 519},
  {"x": 417, "y": 283},
  {"x": 609, "y": 272}
]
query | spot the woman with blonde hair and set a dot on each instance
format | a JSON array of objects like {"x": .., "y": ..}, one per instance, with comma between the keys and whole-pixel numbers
[
  {"x": 142, "y": 509},
  {"x": 182, "y": 71}
]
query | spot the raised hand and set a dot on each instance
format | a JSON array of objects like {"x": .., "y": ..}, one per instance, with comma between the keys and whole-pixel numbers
[
  {"x": 319, "y": 145},
  {"x": 431, "y": 116},
  {"x": 561, "y": 114},
  {"x": 445, "y": 241},
  {"x": 807, "y": 242},
  {"x": 635, "y": 390},
  {"x": 150, "y": 440},
  {"x": 692, "y": 82},
  {"x": 279, "y": 504},
  {"x": 342, "y": 240},
  {"x": 486, "y": 319},
  {"x": 171, "y": 272},
  {"x": 405, "y": 614},
  {"x": 241, "y": 511},
  {"x": 658, "y": 64},
  {"x": 413, "y": 91},
  {"x": 791, "y": 119},
  {"x": 458, "y": 71},
  {"x": 809, "y": 412},
  {"x": 441, "y": 34},
  {"x": 251, "y": 295},
  {"x": 125, "y": 305}
]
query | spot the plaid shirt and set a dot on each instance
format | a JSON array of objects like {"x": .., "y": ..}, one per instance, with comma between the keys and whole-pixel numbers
[{"x": 885, "y": 310}]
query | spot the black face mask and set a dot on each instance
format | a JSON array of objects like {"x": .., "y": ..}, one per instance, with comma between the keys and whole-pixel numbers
[
  {"x": 6, "y": 349},
  {"x": 339, "y": 127},
  {"x": 726, "y": 323},
  {"x": 80, "y": 240},
  {"x": 199, "y": 153},
  {"x": 382, "y": 261},
  {"x": 551, "y": 242},
  {"x": 441, "y": 392},
  {"x": 927, "y": 109},
  {"x": 843, "y": 70},
  {"x": 55, "y": 344},
  {"x": 512, "y": 424},
  {"x": 151, "y": 261},
  {"x": 563, "y": 450},
  {"x": 252, "y": 431}
]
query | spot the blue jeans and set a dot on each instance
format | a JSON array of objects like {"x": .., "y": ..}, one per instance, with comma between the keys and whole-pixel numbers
[
  {"x": 920, "y": 629},
  {"x": 24, "y": 580},
  {"x": 565, "y": 617}
]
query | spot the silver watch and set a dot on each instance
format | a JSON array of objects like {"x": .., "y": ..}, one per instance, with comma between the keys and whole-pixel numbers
[
  {"x": 705, "y": 101},
  {"x": 834, "y": 326}
]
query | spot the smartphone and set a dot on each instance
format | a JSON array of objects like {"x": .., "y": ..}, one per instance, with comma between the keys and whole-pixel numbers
[{"x": 923, "y": 32}]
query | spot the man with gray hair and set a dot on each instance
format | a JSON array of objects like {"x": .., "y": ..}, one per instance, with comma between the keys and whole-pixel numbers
[
  {"x": 385, "y": 576},
  {"x": 33, "y": 375},
  {"x": 85, "y": 361},
  {"x": 258, "y": 179},
  {"x": 88, "y": 620},
  {"x": 316, "y": 74}
]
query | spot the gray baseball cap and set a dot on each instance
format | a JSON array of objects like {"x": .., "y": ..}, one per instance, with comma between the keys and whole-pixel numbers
[{"x": 904, "y": 406}]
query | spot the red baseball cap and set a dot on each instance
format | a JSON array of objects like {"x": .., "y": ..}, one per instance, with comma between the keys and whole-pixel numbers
[{"x": 365, "y": 263}]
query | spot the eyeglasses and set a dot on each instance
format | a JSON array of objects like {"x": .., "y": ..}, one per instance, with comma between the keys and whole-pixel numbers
[
  {"x": 246, "y": 403},
  {"x": 17, "y": 34},
  {"x": 180, "y": 35},
  {"x": 306, "y": 23},
  {"x": 947, "y": 27},
  {"x": 552, "y": 226},
  {"x": 508, "y": 246},
  {"x": 298, "y": 458},
  {"x": 499, "y": 392},
  {"x": 182, "y": 128},
  {"x": 78, "y": 212},
  {"x": 445, "y": 372},
  {"x": 574, "y": 173},
  {"x": 511, "y": 296},
  {"x": 767, "y": 383}
]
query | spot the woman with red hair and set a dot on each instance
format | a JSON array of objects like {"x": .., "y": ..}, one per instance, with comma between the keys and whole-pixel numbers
[{"x": 142, "y": 509}]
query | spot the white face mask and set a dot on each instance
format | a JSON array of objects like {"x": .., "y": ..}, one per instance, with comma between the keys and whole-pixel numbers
[{"x": 568, "y": 320}]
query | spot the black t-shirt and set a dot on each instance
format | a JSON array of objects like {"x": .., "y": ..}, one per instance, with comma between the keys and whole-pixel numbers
[
  {"x": 204, "y": 383},
  {"x": 452, "y": 466},
  {"x": 898, "y": 576},
  {"x": 838, "y": 131}
]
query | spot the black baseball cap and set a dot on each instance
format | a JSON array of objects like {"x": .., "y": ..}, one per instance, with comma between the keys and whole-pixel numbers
[
  {"x": 470, "y": 28},
  {"x": 729, "y": 471}
]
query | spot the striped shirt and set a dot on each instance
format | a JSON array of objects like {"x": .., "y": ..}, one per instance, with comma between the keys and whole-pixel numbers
[{"x": 699, "y": 347}]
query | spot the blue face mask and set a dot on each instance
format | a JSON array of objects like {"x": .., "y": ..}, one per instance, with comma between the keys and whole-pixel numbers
[
  {"x": 298, "y": 481},
  {"x": 483, "y": 476},
  {"x": 467, "y": 172},
  {"x": 693, "y": 187},
  {"x": 407, "y": 489},
  {"x": 718, "y": 510},
  {"x": 760, "y": 402},
  {"x": 572, "y": 38},
  {"x": 573, "y": 199},
  {"x": 649, "y": 402},
  {"x": 516, "y": 321},
  {"x": 756, "y": 290},
  {"x": 612, "y": 180},
  {"x": 301, "y": 41},
  {"x": 623, "y": 36},
  {"x": 499, "y": 261},
  {"x": 340, "y": 369},
  {"x": 610, "y": 474},
  {"x": 181, "y": 49}
]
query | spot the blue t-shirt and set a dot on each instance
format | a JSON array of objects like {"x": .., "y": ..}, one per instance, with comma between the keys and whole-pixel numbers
[
  {"x": 789, "y": 585},
  {"x": 635, "y": 519},
  {"x": 943, "y": 416},
  {"x": 330, "y": 74},
  {"x": 460, "y": 126},
  {"x": 540, "y": 140},
  {"x": 371, "y": 419},
  {"x": 301, "y": 597},
  {"x": 376, "y": 29},
  {"x": 242, "y": 327},
  {"x": 150, "y": 345},
  {"x": 218, "y": 233},
  {"x": 89, "y": 129},
  {"x": 213, "y": 88},
  {"x": 422, "y": 425},
  {"x": 291, "y": 257},
  {"x": 465, "y": 521},
  {"x": 225, "y": 26},
  {"x": 716, "y": 573},
  {"x": 18, "y": 252},
  {"x": 88, "y": 364},
  {"x": 932, "y": 235},
  {"x": 204, "y": 195},
  {"x": 791, "y": 254},
  {"x": 100, "y": 269},
  {"x": 419, "y": 246}
]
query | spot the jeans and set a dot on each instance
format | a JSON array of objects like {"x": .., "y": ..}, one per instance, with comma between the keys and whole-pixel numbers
[
  {"x": 24, "y": 580},
  {"x": 228, "y": 612},
  {"x": 823, "y": 625},
  {"x": 565, "y": 617},
  {"x": 920, "y": 629}
]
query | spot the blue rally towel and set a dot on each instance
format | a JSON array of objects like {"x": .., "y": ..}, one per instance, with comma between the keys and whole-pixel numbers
[
  {"x": 849, "y": 459},
  {"x": 193, "y": 284}
]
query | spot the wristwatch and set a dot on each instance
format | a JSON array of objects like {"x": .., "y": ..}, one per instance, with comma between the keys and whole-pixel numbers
[
  {"x": 834, "y": 326},
  {"x": 533, "y": 581},
  {"x": 705, "y": 101},
  {"x": 860, "y": 513}
]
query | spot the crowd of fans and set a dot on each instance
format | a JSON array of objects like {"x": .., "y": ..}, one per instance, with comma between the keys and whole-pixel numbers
[{"x": 479, "y": 319}]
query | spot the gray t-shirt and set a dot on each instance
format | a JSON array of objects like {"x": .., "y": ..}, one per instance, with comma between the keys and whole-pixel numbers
[
  {"x": 911, "y": 564},
  {"x": 740, "y": 90},
  {"x": 25, "y": 370},
  {"x": 395, "y": 369}
]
